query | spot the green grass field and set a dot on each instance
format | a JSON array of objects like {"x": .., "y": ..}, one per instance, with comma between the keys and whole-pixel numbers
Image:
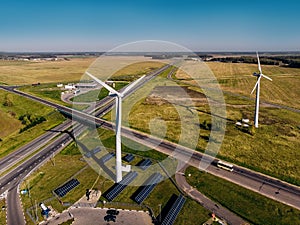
[
  {"x": 47, "y": 91},
  {"x": 9, "y": 124},
  {"x": 2, "y": 211},
  {"x": 11, "y": 138},
  {"x": 91, "y": 96},
  {"x": 273, "y": 145},
  {"x": 252, "y": 206}
]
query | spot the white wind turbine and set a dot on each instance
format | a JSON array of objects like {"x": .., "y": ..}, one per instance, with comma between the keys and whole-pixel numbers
[
  {"x": 118, "y": 96},
  {"x": 257, "y": 87}
]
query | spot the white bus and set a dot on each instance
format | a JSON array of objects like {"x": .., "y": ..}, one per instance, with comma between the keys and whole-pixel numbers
[{"x": 225, "y": 166}]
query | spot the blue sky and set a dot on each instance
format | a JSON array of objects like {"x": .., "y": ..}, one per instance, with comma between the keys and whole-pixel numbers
[{"x": 90, "y": 25}]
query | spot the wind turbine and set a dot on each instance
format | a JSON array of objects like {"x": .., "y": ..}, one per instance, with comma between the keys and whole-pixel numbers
[
  {"x": 257, "y": 87},
  {"x": 118, "y": 96}
]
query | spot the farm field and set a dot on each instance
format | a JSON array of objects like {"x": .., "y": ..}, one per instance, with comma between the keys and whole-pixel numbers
[
  {"x": 48, "y": 89},
  {"x": 20, "y": 73},
  {"x": 72, "y": 70},
  {"x": 237, "y": 78}
]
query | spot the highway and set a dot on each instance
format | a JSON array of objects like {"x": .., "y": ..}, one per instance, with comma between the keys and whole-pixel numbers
[
  {"x": 12, "y": 179},
  {"x": 21, "y": 153},
  {"x": 265, "y": 185}
]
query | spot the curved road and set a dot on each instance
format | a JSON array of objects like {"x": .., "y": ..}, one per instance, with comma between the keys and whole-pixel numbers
[{"x": 212, "y": 206}]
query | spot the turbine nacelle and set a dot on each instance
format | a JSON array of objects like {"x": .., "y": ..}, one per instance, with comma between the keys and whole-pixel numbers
[{"x": 256, "y": 74}]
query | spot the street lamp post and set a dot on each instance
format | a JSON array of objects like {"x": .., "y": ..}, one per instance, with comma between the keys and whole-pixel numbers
[{"x": 159, "y": 212}]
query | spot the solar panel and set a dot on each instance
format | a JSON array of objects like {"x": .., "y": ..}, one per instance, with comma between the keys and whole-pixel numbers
[
  {"x": 119, "y": 187},
  {"x": 149, "y": 185},
  {"x": 107, "y": 157},
  {"x": 96, "y": 150},
  {"x": 145, "y": 164},
  {"x": 174, "y": 211},
  {"x": 88, "y": 154},
  {"x": 64, "y": 189},
  {"x": 128, "y": 158}
]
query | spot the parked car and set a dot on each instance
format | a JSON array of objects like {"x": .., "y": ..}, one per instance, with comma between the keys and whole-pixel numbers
[
  {"x": 109, "y": 218},
  {"x": 112, "y": 212}
]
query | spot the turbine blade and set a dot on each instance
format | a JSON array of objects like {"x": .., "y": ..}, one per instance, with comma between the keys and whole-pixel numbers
[
  {"x": 266, "y": 77},
  {"x": 109, "y": 88},
  {"x": 130, "y": 86},
  {"x": 256, "y": 84},
  {"x": 258, "y": 61}
]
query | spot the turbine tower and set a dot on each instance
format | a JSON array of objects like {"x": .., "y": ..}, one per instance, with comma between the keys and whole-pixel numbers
[
  {"x": 257, "y": 87},
  {"x": 118, "y": 96}
]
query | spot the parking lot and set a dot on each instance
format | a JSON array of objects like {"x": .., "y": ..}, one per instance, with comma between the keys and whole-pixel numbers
[{"x": 95, "y": 216}]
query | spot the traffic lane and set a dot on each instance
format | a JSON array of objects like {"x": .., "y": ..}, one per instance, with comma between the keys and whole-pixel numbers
[
  {"x": 30, "y": 164},
  {"x": 37, "y": 143},
  {"x": 14, "y": 210},
  {"x": 259, "y": 186}
]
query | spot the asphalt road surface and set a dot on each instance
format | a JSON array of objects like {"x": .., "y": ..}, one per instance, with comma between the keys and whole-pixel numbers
[{"x": 29, "y": 148}]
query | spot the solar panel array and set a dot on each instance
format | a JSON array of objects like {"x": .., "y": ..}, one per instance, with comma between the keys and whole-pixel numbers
[
  {"x": 149, "y": 185},
  {"x": 145, "y": 164},
  {"x": 63, "y": 190},
  {"x": 174, "y": 211},
  {"x": 88, "y": 154},
  {"x": 107, "y": 157},
  {"x": 119, "y": 187},
  {"x": 128, "y": 157}
]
